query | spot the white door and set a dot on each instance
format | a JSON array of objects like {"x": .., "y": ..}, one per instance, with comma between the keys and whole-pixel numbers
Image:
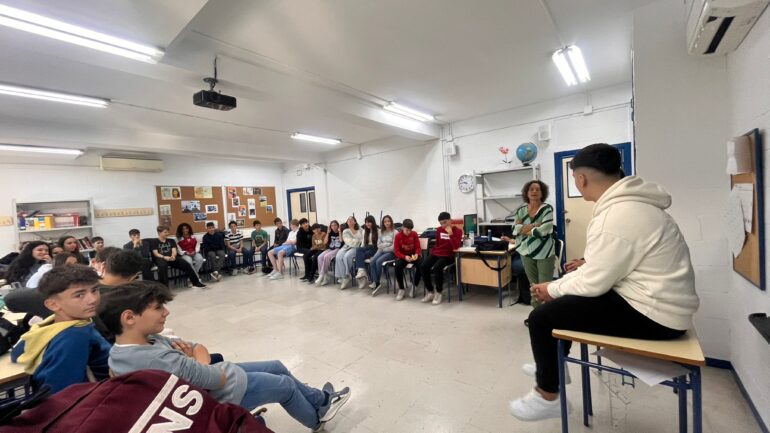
[{"x": 302, "y": 205}]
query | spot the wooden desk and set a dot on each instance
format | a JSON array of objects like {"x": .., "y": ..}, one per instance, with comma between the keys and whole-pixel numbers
[
  {"x": 9, "y": 371},
  {"x": 472, "y": 270}
]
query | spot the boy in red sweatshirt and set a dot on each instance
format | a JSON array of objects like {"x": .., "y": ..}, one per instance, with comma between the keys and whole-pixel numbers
[
  {"x": 448, "y": 239},
  {"x": 406, "y": 247}
]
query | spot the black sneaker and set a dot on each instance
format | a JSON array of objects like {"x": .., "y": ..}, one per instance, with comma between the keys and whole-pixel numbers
[
  {"x": 303, "y": 279},
  {"x": 201, "y": 285},
  {"x": 336, "y": 401}
]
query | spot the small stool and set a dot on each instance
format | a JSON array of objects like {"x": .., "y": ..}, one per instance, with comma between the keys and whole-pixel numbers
[{"x": 685, "y": 351}]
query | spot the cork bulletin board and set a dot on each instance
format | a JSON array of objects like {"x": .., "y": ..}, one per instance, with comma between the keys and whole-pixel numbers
[
  {"x": 245, "y": 204},
  {"x": 750, "y": 263},
  {"x": 194, "y": 205}
]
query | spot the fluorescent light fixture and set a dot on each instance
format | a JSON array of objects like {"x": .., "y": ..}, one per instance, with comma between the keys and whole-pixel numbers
[
  {"x": 29, "y": 92},
  {"x": 408, "y": 112},
  {"x": 36, "y": 149},
  {"x": 44, "y": 26},
  {"x": 571, "y": 64},
  {"x": 315, "y": 139}
]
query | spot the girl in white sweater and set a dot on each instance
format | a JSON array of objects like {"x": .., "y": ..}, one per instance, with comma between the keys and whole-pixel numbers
[
  {"x": 352, "y": 237},
  {"x": 384, "y": 252}
]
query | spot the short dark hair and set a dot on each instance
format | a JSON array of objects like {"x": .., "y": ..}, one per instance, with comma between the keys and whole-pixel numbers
[
  {"x": 525, "y": 190},
  {"x": 61, "y": 258},
  {"x": 277, "y": 220},
  {"x": 124, "y": 264},
  {"x": 408, "y": 224},
  {"x": 210, "y": 224},
  {"x": 601, "y": 157},
  {"x": 231, "y": 223},
  {"x": 444, "y": 216},
  {"x": 134, "y": 232},
  {"x": 62, "y": 278},
  {"x": 135, "y": 296},
  {"x": 97, "y": 239},
  {"x": 104, "y": 255},
  {"x": 257, "y": 222},
  {"x": 303, "y": 221},
  {"x": 161, "y": 228},
  {"x": 315, "y": 226}
]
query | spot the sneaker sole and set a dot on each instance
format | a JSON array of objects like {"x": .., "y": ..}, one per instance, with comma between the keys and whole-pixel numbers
[{"x": 336, "y": 408}]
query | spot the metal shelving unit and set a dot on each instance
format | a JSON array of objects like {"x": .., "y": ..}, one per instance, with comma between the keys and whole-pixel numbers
[
  {"x": 498, "y": 191},
  {"x": 84, "y": 208}
]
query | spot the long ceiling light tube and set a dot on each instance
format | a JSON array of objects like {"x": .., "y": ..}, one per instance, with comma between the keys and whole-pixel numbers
[
  {"x": 315, "y": 138},
  {"x": 46, "y": 95},
  {"x": 38, "y": 149},
  {"x": 411, "y": 113}
]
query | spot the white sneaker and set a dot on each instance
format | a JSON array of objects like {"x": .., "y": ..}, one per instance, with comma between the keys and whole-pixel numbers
[
  {"x": 533, "y": 407},
  {"x": 361, "y": 273},
  {"x": 216, "y": 275},
  {"x": 319, "y": 280},
  {"x": 373, "y": 286},
  {"x": 345, "y": 283},
  {"x": 400, "y": 295},
  {"x": 437, "y": 298},
  {"x": 376, "y": 289},
  {"x": 428, "y": 297},
  {"x": 530, "y": 369},
  {"x": 325, "y": 280},
  {"x": 362, "y": 282},
  {"x": 234, "y": 272},
  {"x": 411, "y": 292},
  {"x": 276, "y": 276},
  {"x": 272, "y": 273}
]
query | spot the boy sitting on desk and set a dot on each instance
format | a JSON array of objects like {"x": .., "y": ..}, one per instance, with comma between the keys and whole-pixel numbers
[
  {"x": 61, "y": 350},
  {"x": 136, "y": 313}
]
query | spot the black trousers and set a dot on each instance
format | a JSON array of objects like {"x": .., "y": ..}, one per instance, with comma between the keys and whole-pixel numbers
[
  {"x": 401, "y": 265},
  {"x": 311, "y": 262},
  {"x": 147, "y": 274},
  {"x": 434, "y": 266},
  {"x": 608, "y": 314},
  {"x": 180, "y": 264}
]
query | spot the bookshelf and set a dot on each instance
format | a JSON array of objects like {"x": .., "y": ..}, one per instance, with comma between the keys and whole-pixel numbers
[
  {"x": 498, "y": 192},
  {"x": 50, "y": 220}
]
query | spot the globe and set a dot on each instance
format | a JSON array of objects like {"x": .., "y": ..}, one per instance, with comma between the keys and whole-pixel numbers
[{"x": 526, "y": 152}]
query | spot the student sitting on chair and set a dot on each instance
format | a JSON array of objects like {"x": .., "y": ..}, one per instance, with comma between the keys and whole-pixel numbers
[
  {"x": 384, "y": 252},
  {"x": 213, "y": 246},
  {"x": 637, "y": 281},
  {"x": 333, "y": 241},
  {"x": 281, "y": 234},
  {"x": 287, "y": 249},
  {"x": 101, "y": 258},
  {"x": 406, "y": 248},
  {"x": 70, "y": 244},
  {"x": 28, "y": 299},
  {"x": 98, "y": 243},
  {"x": 188, "y": 247},
  {"x": 33, "y": 256},
  {"x": 121, "y": 268},
  {"x": 166, "y": 256},
  {"x": 137, "y": 246},
  {"x": 448, "y": 239},
  {"x": 318, "y": 246},
  {"x": 352, "y": 238},
  {"x": 367, "y": 250},
  {"x": 260, "y": 240},
  {"x": 304, "y": 244},
  {"x": 136, "y": 313},
  {"x": 63, "y": 348},
  {"x": 234, "y": 243}
]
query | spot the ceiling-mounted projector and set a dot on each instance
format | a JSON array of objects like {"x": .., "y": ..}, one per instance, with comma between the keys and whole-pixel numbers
[{"x": 213, "y": 99}]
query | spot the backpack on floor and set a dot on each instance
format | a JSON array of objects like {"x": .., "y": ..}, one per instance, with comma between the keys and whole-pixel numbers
[{"x": 140, "y": 402}]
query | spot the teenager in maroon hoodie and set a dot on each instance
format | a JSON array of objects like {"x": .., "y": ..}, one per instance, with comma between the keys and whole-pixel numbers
[
  {"x": 448, "y": 239},
  {"x": 406, "y": 248}
]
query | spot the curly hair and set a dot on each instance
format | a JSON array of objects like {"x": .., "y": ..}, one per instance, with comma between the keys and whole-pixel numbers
[{"x": 543, "y": 190}]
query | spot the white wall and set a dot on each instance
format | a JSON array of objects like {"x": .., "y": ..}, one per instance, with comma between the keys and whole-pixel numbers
[
  {"x": 749, "y": 87},
  {"x": 82, "y": 179},
  {"x": 681, "y": 130},
  {"x": 478, "y": 139}
]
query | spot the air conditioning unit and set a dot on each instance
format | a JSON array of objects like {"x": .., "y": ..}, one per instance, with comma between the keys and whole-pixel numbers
[
  {"x": 124, "y": 163},
  {"x": 719, "y": 26}
]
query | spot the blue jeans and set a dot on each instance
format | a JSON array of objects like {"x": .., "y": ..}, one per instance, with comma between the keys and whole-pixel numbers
[
  {"x": 271, "y": 382},
  {"x": 363, "y": 253},
  {"x": 248, "y": 258},
  {"x": 375, "y": 266}
]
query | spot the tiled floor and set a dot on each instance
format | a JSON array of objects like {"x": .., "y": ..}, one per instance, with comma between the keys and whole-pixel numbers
[{"x": 413, "y": 367}]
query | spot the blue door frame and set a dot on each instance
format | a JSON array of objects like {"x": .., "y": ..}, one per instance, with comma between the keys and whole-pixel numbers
[
  {"x": 288, "y": 196},
  {"x": 628, "y": 167}
]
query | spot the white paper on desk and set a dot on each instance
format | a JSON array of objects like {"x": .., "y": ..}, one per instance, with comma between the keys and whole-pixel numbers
[
  {"x": 746, "y": 192},
  {"x": 732, "y": 223},
  {"x": 648, "y": 370}
]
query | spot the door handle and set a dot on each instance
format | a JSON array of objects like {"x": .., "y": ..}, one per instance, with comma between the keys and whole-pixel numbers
[{"x": 568, "y": 220}]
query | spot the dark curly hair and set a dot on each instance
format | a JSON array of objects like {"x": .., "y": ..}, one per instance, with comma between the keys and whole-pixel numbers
[
  {"x": 179, "y": 231},
  {"x": 543, "y": 190}
]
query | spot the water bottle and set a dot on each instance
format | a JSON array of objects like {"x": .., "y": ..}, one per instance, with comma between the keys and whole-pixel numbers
[
  {"x": 22, "y": 222},
  {"x": 489, "y": 235},
  {"x": 472, "y": 237}
]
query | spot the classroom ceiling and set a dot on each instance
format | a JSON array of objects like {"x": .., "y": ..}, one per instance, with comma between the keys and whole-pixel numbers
[{"x": 317, "y": 66}]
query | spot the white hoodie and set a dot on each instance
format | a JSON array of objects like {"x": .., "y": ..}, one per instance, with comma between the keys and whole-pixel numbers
[{"x": 634, "y": 247}]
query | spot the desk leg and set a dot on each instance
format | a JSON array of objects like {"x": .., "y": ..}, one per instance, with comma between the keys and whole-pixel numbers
[
  {"x": 499, "y": 285},
  {"x": 458, "y": 260},
  {"x": 697, "y": 409},
  {"x": 562, "y": 388},
  {"x": 682, "y": 394},
  {"x": 586, "y": 384}
]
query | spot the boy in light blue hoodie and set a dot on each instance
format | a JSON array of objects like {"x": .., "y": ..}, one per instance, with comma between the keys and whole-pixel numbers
[{"x": 64, "y": 348}]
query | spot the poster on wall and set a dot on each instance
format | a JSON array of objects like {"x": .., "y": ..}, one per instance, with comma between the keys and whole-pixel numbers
[
  {"x": 241, "y": 211},
  {"x": 165, "y": 220},
  {"x": 212, "y": 208},
  {"x": 263, "y": 201},
  {"x": 248, "y": 191},
  {"x": 230, "y": 217},
  {"x": 199, "y": 217},
  {"x": 241, "y": 223},
  {"x": 191, "y": 206},
  {"x": 269, "y": 208},
  {"x": 231, "y": 192},
  {"x": 164, "y": 209},
  {"x": 203, "y": 192},
  {"x": 257, "y": 190},
  {"x": 171, "y": 193},
  {"x": 236, "y": 201}
]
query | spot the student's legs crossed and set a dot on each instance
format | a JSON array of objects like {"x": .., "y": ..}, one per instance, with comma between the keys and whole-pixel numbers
[
  {"x": 608, "y": 314},
  {"x": 187, "y": 268}
]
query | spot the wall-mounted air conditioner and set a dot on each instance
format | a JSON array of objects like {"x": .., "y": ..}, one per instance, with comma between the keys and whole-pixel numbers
[
  {"x": 124, "y": 163},
  {"x": 719, "y": 26}
]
